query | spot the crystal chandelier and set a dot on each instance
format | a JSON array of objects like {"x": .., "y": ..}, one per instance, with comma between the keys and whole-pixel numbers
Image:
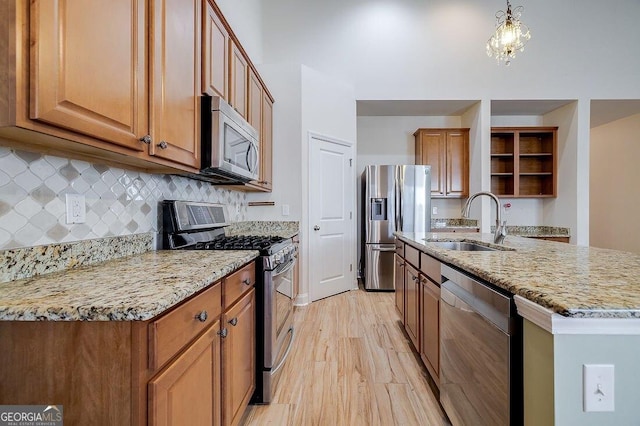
[{"x": 510, "y": 37}]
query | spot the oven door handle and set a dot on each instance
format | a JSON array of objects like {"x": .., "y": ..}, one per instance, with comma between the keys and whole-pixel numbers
[
  {"x": 286, "y": 352},
  {"x": 288, "y": 266}
]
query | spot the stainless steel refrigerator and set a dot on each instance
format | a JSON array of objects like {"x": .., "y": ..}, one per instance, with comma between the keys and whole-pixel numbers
[{"x": 395, "y": 198}]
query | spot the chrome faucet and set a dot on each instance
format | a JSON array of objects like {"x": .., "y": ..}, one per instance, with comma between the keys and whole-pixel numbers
[{"x": 501, "y": 226}]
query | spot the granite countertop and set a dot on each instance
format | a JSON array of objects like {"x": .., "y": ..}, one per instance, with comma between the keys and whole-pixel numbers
[
  {"x": 570, "y": 280},
  {"x": 285, "y": 229},
  {"x": 131, "y": 288},
  {"x": 536, "y": 231}
]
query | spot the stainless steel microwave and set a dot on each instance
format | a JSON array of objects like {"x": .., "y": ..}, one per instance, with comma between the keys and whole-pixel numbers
[{"x": 229, "y": 144}]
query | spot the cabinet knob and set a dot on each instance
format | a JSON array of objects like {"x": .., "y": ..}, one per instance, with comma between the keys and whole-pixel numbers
[
  {"x": 316, "y": 228},
  {"x": 146, "y": 139},
  {"x": 246, "y": 281},
  {"x": 233, "y": 321},
  {"x": 223, "y": 333},
  {"x": 163, "y": 145},
  {"x": 202, "y": 316}
]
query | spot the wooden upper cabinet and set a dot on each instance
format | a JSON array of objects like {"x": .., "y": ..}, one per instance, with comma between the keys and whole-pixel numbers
[
  {"x": 524, "y": 161},
  {"x": 457, "y": 159},
  {"x": 266, "y": 143},
  {"x": 430, "y": 149},
  {"x": 88, "y": 68},
  {"x": 215, "y": 54},
  {"x": 175, "y": 58},
  {"x": 238, "y": 78},
  {"x": 447, "y": 152},
  {"x": 254, "y": 99}
]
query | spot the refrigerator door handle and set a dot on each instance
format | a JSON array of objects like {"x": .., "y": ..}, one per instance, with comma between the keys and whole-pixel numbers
[
  {"x": 384, "y": 249},
  {"x": 399, "y": 198}
]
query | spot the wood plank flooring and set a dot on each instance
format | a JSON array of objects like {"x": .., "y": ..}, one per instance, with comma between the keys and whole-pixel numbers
[{"x": 351, "y": 364}]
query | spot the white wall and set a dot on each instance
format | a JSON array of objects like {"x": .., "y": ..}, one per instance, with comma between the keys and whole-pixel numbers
[
  {"x": 306, "y": 101},
  {"x": 615, "y": 150},
  {"x": 245, "y": 18},
  {"x": 407, "y": 49}
]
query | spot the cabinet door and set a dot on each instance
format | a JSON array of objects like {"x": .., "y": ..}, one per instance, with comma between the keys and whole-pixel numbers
[
  {"x": 238, "y": 77},
  {"x": 457, "y": 160},
  {"x": 88, "y": 68},
  {"x": 266, "y": 145},
  {"x": 188, "y": 390},
  {"x": 238, "y": 358},
  {"x": 431, "y": 150},
  {"x": 399, "y": 274},
  {"x": 412, "y": 306},
  {"x": 215, "y": 54},
  {"x": 255, "y": 102},
  {"x": 430, "y": 326},
  {"x": 175, "y": 75}
]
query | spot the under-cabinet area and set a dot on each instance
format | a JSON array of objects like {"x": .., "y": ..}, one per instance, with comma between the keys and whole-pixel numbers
[{"x": 193, "y": 363}]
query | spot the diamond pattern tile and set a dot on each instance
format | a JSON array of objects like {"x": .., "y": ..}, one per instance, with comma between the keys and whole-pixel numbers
[{"x": 119, "y": 202}]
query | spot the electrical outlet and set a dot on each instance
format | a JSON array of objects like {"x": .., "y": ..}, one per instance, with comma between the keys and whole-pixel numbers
[
  {"x": 598, "y": 387},
  {"x": 285, "y": 210},
  {"x": 434, "y": 211},
  {"x": 76, "y": 208}
]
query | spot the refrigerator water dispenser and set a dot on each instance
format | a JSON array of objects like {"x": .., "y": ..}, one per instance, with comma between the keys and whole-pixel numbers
[{"x": 378, "y": 209}]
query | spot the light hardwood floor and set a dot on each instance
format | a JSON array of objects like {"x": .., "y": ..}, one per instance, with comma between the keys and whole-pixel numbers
[{"x": 351, "y": 365}]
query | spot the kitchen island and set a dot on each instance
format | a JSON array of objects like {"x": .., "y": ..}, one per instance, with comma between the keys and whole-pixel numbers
[{"x": 581, "y": 305}]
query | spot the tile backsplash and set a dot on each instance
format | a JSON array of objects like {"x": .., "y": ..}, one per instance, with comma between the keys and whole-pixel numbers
[{"x": 118, "y": 202}]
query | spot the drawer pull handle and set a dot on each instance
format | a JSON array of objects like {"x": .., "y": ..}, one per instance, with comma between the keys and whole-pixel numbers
[
  {"x": 233, "y": 321},
  {"x": 223, "y": 333},
  {"x": 246, "y": 281},
  {"x": 202, "y": 316}
]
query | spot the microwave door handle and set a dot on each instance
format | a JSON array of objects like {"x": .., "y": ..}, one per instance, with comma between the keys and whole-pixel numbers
[{"x": 254, "y": 166}]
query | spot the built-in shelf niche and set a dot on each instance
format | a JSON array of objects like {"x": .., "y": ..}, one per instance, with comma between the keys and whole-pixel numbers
[{"x": 523, "y": 161}]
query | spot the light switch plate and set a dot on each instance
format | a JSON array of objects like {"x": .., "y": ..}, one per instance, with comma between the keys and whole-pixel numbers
[
  {"x": 285, "y": 210},
  {"x": 76, "y": 208},
  {"x": 598, "y": 387}
]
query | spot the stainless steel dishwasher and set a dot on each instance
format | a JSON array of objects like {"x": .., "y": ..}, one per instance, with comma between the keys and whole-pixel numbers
[{"x": 480, "y": 352}]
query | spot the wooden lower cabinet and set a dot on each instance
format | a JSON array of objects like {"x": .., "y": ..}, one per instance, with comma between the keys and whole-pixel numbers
[
  {"x": 188, "y": 390},
  {"x": 238, "y": 357},
  {"x": 398, "y": 276},
  {"x": 430, "y": 327},
  {"x": 191, "y": 365},
  {"x": 412, "y": 306}
]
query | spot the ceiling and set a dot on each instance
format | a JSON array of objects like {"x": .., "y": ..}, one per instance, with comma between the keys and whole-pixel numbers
[
  {"x": 602, "y": 111},
  {"x": 606, "y": 111}
]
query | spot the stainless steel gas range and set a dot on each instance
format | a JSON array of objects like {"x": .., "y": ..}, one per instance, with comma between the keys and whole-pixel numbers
[{"x": 199, "y": 226}]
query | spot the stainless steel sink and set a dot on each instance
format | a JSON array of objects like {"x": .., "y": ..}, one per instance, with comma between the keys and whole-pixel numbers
[{"x": 461, "y": 246}]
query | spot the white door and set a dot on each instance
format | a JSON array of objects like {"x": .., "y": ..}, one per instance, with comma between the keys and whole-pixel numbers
[{"x": 331, "y": 214}]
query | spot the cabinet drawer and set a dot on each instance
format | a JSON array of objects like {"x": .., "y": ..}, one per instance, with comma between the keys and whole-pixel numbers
[
  {"x": 399, "y": 248},
  {"x": 430, "y": 267},
  {"x": 238, "y": 283},
  {"x": 172, "y": 331},
  {"x": 412, "y": 255}
]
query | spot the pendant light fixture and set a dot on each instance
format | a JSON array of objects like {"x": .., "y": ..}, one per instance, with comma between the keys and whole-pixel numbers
[{"x": 510, "y": 36}]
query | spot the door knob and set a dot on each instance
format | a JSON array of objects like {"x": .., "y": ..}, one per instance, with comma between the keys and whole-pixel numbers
[{"x": 316, "y": 228}]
